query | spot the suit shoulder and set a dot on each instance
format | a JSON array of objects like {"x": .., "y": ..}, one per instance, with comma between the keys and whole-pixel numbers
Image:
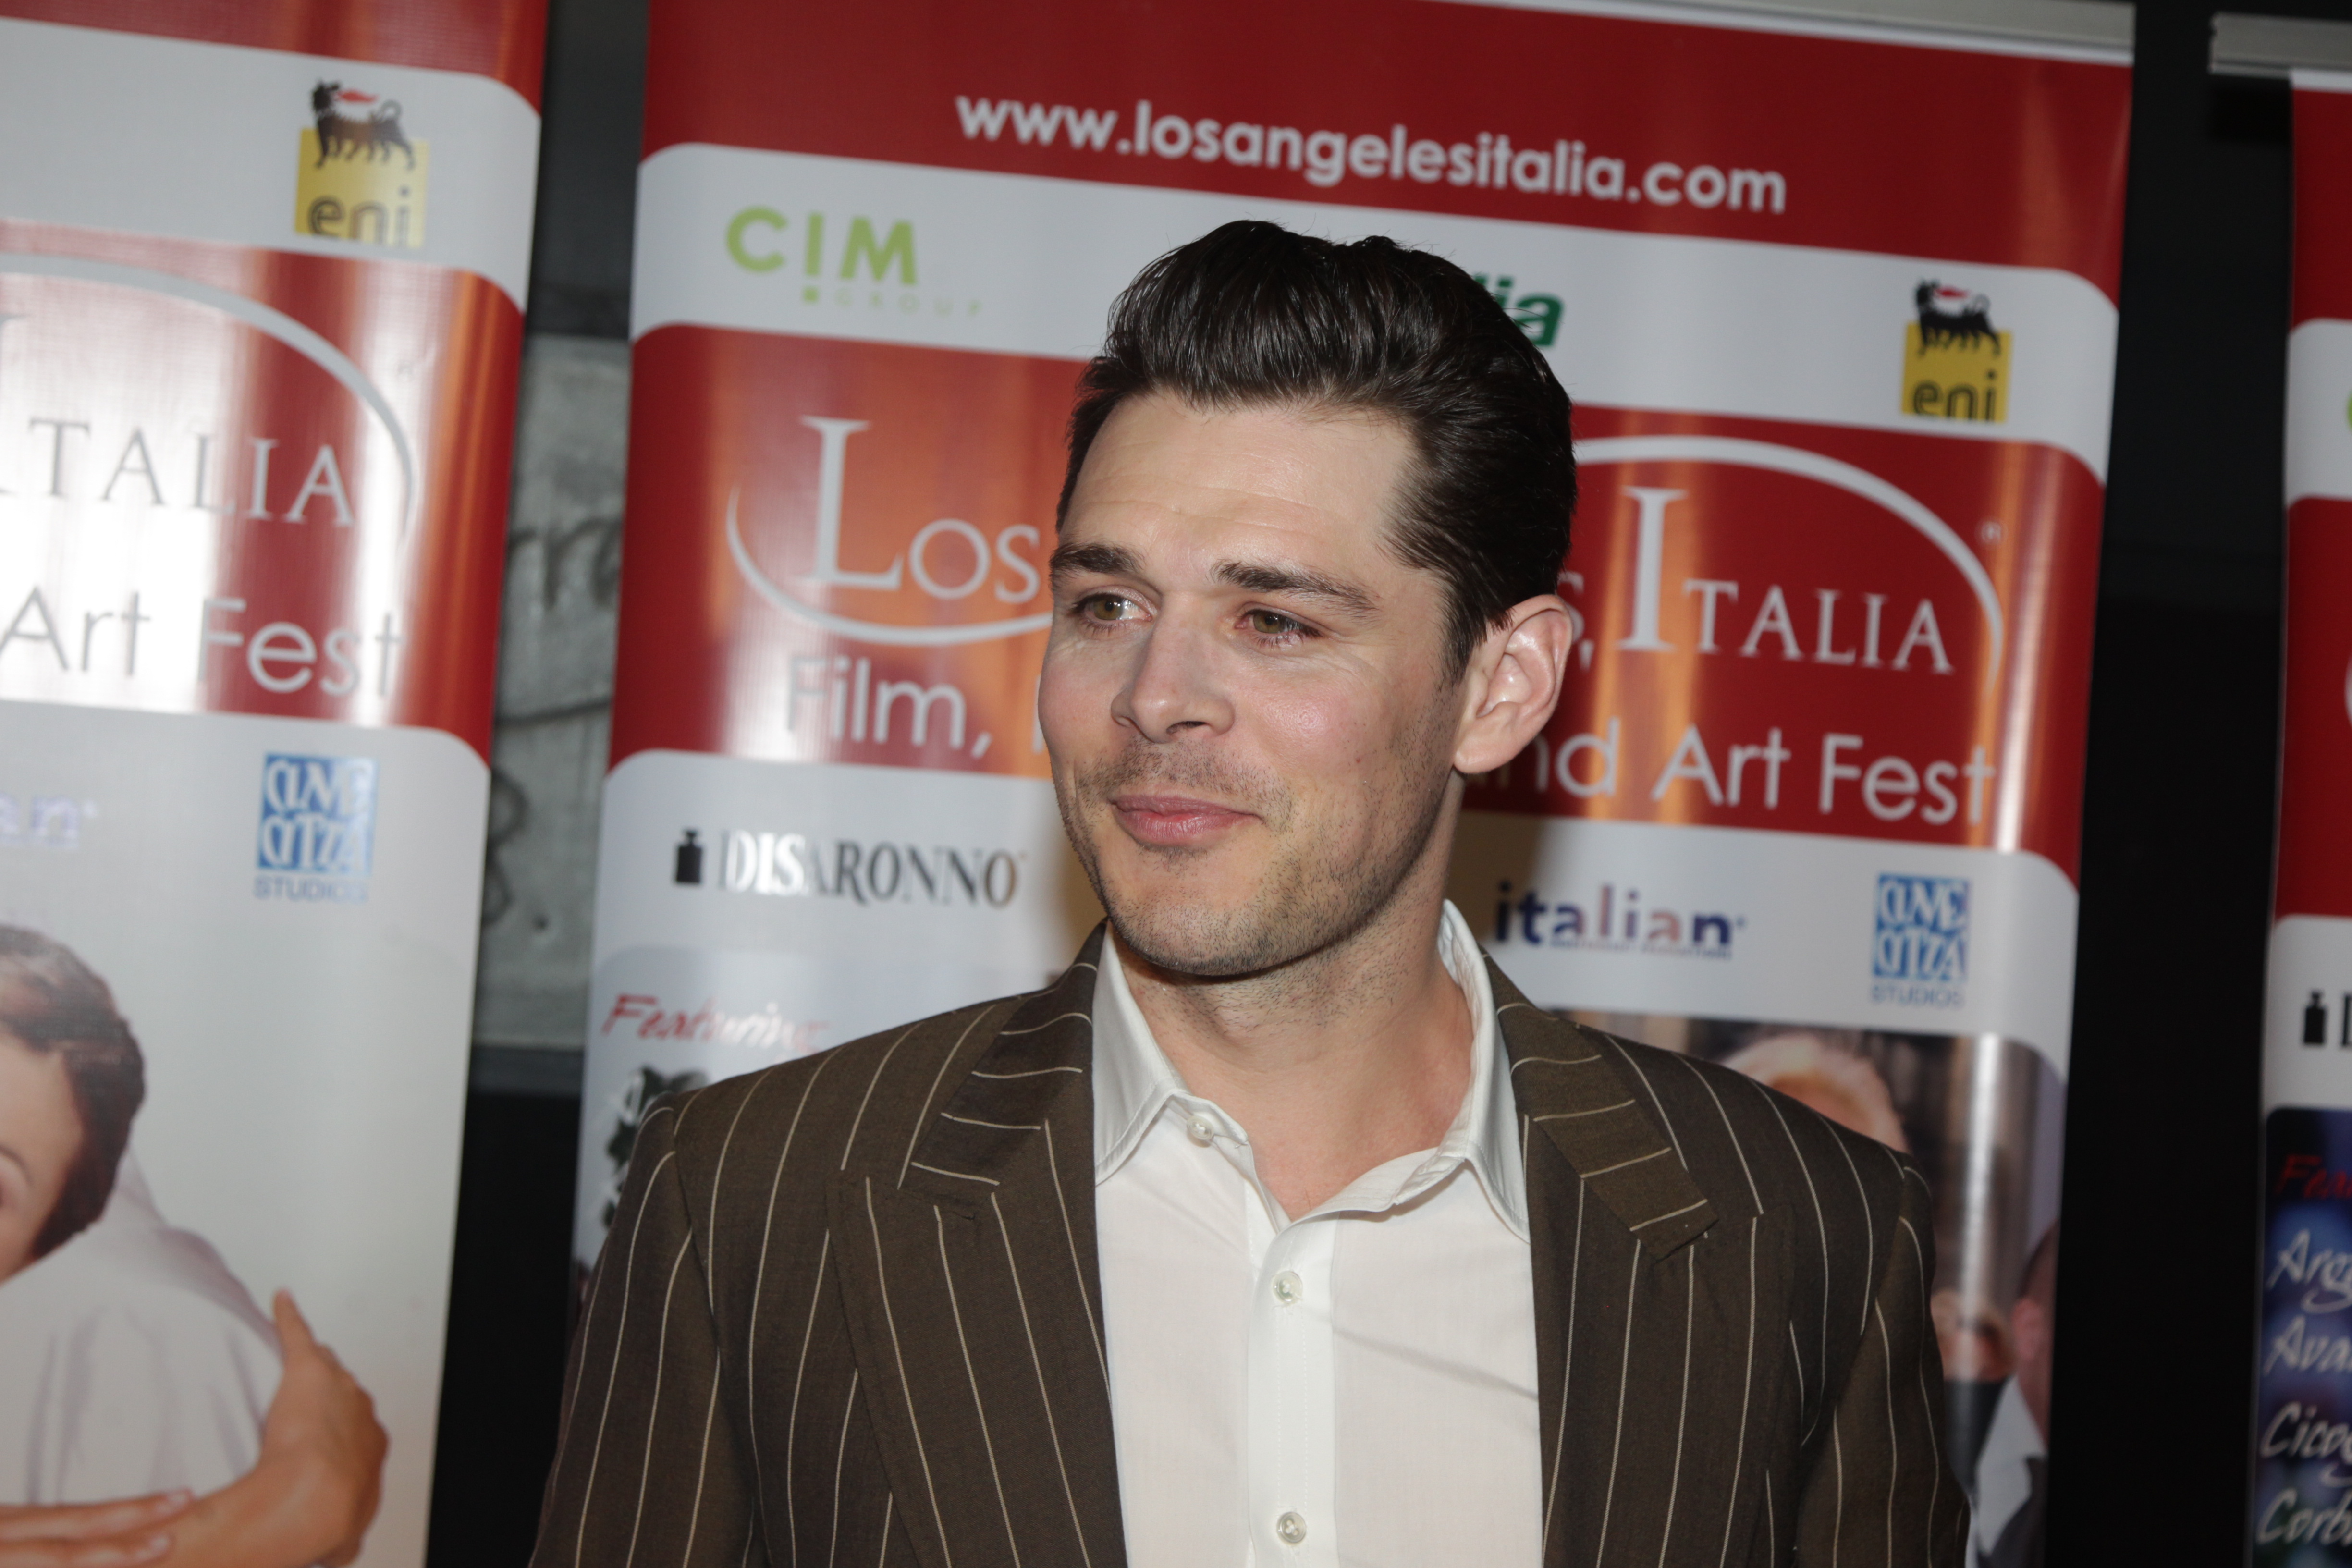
[
  {"x": 873, "y": 1086},
  {"x": 1726, "y": 1120}
]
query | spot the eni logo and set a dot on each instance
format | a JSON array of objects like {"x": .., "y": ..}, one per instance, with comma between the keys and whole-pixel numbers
[
  {"x": 361, "y": 176},
  {"x": 947, "y": 560},
  {"x": 1954, "y": 360}
]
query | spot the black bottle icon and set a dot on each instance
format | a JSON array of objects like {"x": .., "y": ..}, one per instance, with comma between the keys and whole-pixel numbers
[
  {"x": 688, "y": 869},
  {"x": 2315, "y": 1012}
]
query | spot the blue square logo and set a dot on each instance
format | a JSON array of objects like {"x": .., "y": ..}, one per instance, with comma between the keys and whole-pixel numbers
[
  {"x": 317, "y": 814},
  {"x": 1923, "y": 930}
]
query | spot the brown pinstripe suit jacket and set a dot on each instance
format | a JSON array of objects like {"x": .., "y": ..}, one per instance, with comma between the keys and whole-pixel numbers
[{"x": 848, "y": 1312}]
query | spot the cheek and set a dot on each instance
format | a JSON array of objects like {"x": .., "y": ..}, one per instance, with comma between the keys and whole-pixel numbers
[
  {"x": 18, "y": 1224},
  {"x": 1343, "y": 737},
  {"x": 1060, "y": 709},
  {"x": 1075, "y": 687}
]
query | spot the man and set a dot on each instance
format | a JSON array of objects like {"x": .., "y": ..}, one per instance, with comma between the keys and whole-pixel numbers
[{"x": 1280, "y": 1230}]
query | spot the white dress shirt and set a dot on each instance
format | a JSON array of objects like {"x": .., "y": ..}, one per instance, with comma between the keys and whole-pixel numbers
[
  {"x": 131, "y": 1360},
  {"x": 1356, "y": 1386}
]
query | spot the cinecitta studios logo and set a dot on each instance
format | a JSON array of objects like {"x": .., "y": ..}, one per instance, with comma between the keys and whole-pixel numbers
[
  {"x": 318, "y": 829},
  {"x": 1919, "y": 954}
]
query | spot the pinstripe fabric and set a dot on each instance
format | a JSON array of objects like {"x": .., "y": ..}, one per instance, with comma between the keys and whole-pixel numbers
[{"x": 848, "y": 1312}]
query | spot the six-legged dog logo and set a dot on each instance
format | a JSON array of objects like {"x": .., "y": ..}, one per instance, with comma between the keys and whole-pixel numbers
[
  {"x": 361, "y": 175},
  {"x": 373, "y": 130},
  {"x": 1954, "y": 360}
]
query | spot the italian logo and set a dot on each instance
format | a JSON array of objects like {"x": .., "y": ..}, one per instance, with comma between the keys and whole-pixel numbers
[
  {"x": 1919, "y": 952},
  {"x": 1956, "y": 363},
  {"x": 318, "y": 829},
  {"x": 360, "y": 176}
]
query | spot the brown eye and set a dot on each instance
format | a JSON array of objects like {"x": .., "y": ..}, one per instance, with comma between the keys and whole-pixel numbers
[
  {"x": 1272, "y": 624},
  {"x": 1105, "y": 607}
]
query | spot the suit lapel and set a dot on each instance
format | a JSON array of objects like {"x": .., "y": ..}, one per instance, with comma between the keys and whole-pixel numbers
[
  {"x": 1612, "y": 1212},
  {"x": 975, "y": 1303},
  {"x": 1575, "y": 1087}
]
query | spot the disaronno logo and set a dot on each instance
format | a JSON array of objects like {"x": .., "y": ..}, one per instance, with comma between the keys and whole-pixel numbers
[{"x": 361, "y": 176}]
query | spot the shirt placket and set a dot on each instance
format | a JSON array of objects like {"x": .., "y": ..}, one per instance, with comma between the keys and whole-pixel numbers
[{"x": 1292, "y": 1420}]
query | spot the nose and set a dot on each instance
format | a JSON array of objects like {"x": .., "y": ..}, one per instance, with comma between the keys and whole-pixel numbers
[{"x": 1174, "y": 690}]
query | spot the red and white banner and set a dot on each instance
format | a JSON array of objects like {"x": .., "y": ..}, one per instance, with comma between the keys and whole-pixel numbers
[
  {"x": 1836, "y": 305},
  {"x": 2302, "y": 1504},
  {"x": 261, "y": 280}
]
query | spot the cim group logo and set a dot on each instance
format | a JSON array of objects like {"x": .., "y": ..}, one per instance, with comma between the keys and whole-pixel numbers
[
  {"x": 1919, "y": 954},
  {"x": 318, "y": 829},
  {"x": 841, "y": 261}
]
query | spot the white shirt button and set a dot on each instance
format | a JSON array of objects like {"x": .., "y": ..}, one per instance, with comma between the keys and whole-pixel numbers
[
  {"x": 1291, "y": 1529},
  {"x": 1289, "y": 1289},
  {"x": 1204, "y": 1131}
]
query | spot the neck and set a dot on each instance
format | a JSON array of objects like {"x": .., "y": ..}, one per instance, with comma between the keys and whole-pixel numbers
[{"x": 1334, "y": 1063}]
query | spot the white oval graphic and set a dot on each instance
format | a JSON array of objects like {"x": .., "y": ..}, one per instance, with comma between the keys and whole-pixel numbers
[
  {"x": 1735, "y": 452},
  {"x": 302, "y": 339}
]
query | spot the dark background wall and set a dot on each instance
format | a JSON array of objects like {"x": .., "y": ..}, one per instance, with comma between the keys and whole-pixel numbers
[{"x": 2159, "y": 1262}]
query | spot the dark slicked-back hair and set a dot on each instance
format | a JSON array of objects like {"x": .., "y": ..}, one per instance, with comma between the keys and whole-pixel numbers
[
  {"x": 51, "y": 1001},
  {"x": 1252, "y": 314}
]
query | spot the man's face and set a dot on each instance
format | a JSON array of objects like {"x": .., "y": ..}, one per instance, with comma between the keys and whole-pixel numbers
[
  {"x": 41, "y": 1133},
  {"x": 1248, "y": 699}
]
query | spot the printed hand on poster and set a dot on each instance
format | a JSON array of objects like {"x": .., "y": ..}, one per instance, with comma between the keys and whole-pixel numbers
[{"x": 308, "y": 1500}]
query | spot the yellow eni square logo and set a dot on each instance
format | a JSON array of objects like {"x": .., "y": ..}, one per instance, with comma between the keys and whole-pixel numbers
[
  {"x": 1954, "y": 360},
  {"x": 361, "y": 177}
]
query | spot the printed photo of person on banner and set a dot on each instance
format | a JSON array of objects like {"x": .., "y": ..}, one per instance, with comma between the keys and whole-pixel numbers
[{"x": 135, "y": 1370}]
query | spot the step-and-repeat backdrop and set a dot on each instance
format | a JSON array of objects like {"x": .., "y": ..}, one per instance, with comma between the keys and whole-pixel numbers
[
  {"x": 1843, "y": 375},
  {"x": 261, "y": 278},
  {"x": 2302, "y": 1504}
]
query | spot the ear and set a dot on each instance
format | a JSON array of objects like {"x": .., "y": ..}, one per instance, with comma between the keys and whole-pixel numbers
[{"x": 1512, "y": 684}]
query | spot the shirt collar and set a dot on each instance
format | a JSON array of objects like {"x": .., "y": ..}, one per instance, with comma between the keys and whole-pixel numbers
[{"x": 1134, "y": 1080}]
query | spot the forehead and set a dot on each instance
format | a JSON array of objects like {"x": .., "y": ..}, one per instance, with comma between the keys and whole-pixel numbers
[{"x": 1311, "y": 483}]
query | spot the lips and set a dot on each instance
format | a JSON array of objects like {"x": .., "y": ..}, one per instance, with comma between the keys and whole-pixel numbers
[{"x": 1174, "y": 821}]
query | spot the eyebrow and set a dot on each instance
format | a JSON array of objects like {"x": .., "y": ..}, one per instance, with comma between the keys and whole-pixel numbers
[
  {"x": 1258, "y": 577},
  {"x": 1102, "y": 560}
]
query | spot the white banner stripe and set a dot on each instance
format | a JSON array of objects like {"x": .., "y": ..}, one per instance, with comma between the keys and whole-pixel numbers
[
  {"x": 780, "y": 242},
  {"x": 2319, "y": 411},
  {"x": 194, "y": 141}
]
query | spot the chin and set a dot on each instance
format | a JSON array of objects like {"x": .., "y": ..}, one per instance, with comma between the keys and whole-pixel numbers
[
  {"x": 1206, "y": 942},
  {"x": 1179, "y": 917}
]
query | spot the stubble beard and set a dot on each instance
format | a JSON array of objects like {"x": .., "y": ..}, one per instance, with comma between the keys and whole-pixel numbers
[{"x": 1318, "y": 890}]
